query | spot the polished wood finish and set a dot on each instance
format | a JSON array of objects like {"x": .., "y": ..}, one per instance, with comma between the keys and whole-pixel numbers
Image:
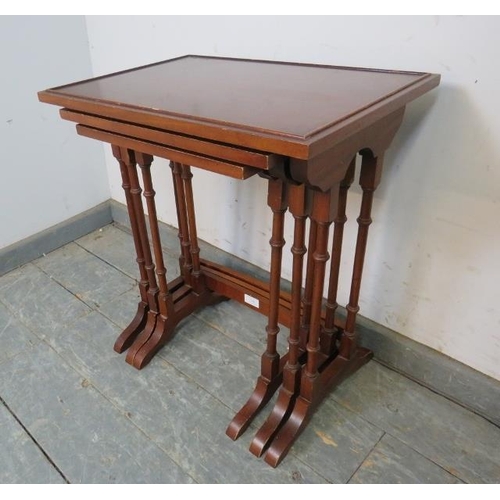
[
  {"x": 300, "y": 126},
  {"x": 297, "y": 110},
  {"x": 213, "y": 165},
  {"x": 165, "y": 299},
  {"x": 292, "y": 370},
  {"x": 194, "y": 249},
  {"x": 153, "y": 290},
  {"x": 191, "y": 290},
  {"x": 371, "y": 173},
  {"x": 137, "y": 324},
  {"x": 248, "y": 158},
  {"x": 271, "y": 369},
  {"x": 185, "y": 262},
  {"x": 329, "y": 333}
]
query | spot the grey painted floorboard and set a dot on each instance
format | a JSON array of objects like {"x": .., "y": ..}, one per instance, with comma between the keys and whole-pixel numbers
[
  {"x": 21, "y": 461},
  {"x": 39, "y": 302},
  {"x": 121, "y": 309},
  {"x": 116, "y": 247},
  {"x": 334, "y": 444},
  {"x": 14, "y": 337},
  {"x": 242, "y": 324},
  {"x": 173, "y": 411},
  {"x": 87, "y": 438},
  {"x": 392, "y": 462},
  {"x": 217, "y": 363},
  {"x": 85, "y": 275},
  {"x": 465, "y": 444},
  {"x": 100, "y": 420}
]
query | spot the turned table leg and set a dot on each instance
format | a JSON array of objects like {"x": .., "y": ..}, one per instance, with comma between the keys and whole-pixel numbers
[
  {"x": 308, "y": 291},
  {"x": 139, "y": 354},
  {"x": 153, "y": 289},
  {"x": 128, "y": 335},
  {"x": 196, "y": 276},
  {"x": 185, "y": 262},
  {"x": 179, "y": 298},
  {"x": 329, "y": 333},
  {"x": 292, "y": 370},
  {"x": 371, "y": 172},
  {"x": 318, "y": 378},
  {"x": 324, "y": 205},
  {"x": 270, "y": 377}
]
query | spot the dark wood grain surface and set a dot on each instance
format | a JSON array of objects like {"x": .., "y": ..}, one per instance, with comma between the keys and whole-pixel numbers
[{"x": 242, "y": 101}]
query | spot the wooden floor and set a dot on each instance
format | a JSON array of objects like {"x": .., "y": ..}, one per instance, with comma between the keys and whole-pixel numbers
[{"x": 72, "y": 410}]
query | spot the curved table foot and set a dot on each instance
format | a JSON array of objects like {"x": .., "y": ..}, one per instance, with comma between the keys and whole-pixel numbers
[
  {"x": 163, "y": 332},
  {"x": 127, "y": 337},
  {"x": 263, "y": 392},
  {"x": 274, "y": 422},
  {"x": 150, "y": 341},
  {"x": 332, "y": 374},
  {"x": 286, "y": 436},
  {"x": 143, "y": 336}
]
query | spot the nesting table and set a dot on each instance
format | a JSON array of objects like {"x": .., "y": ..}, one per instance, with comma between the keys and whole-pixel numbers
[{"x": 300, "y": 128}]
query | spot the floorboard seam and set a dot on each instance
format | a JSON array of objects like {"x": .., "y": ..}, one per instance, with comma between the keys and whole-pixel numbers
[
  {"x": 120, "y": 410},
  {"x": 427, "y": 458},
  {"x": 106, "y": 262},
  {"x": 60, "y": 284},
  {"x": 35, "y": 442},
  {"x": 109, "y": 319},
  {"x": 192, "y": 380},
  {"x": 366, "y": 457},
  {"x": 215, "y": 327},
  {"x": 376, "y": 360},
  {"x": 445, "y": 396},
  {"x": 167, "y": 250},
  {"x": 252, "y": 425},
  {"x": 94, "y": 306},
  {"x": 15, "y": 355},
  {"x": 40, "y": 335},
  {"x": 47, "y": 342}
]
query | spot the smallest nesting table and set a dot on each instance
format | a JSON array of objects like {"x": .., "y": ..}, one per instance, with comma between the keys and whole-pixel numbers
[{"x": 299, "y": 127}]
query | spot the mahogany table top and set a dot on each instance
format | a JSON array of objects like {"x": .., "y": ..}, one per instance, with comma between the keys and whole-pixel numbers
[{"x": 285, "y": 108}]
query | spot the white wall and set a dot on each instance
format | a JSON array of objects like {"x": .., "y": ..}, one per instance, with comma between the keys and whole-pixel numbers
[
  {"x": 433, "y": 269},
  {"x": 48, "y": 173}
]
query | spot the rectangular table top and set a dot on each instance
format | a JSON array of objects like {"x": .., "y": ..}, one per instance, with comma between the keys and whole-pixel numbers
[{"x": 279, "y": 107}]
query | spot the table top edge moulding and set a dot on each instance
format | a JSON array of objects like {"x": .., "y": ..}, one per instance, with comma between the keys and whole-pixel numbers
[
  {"x": 246, "y": 127},
  {"x": 300, "y": 127}
]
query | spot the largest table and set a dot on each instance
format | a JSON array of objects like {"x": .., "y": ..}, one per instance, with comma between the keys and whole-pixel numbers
[{"x": 300, "y": 127}]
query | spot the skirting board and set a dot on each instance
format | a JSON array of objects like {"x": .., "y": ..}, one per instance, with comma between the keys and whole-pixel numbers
[
  {"x": 45, "y": 241},
  {"x": 424, "y": 365}
]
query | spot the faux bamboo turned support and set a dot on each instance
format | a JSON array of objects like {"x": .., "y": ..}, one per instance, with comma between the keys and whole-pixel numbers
[
  {"x": 137, "y": 354},
  {"x": 371, "y": 173},
  {"x": 298, "y": 206},
  {"x": 197, "y": 277},
  {"x": 307, "y": 297},
  {"x": 123, "y": 342},
  {"x": 324, "y": 206},
  {"x": 314, "y": 384},
  {"x": 153, "y": 290},
  {"x": 180, "y": 298},
  {"x": 330, "y": 333},
  {"x": 165, "y": 299},
  {"x": 271, "y": 374},
  {"x": 185, "y": 262},
  {"x": 323, "y": 212}
]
